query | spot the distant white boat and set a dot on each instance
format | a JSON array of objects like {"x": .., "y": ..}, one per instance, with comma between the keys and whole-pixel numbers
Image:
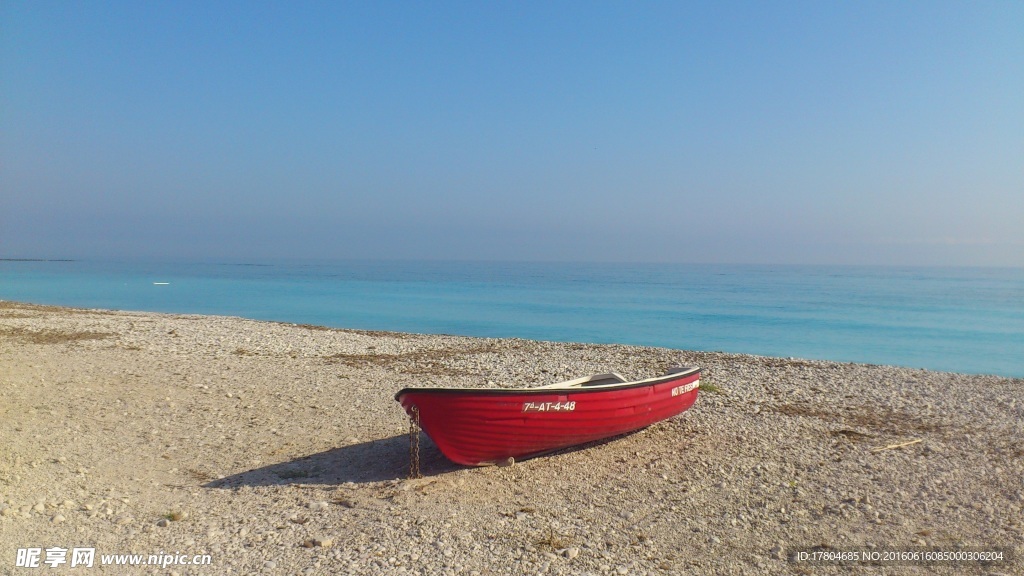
[{"x": 160, "y": 283}]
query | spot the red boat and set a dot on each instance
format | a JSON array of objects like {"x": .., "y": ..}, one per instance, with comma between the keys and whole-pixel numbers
[{"x": 480, "y": 426}]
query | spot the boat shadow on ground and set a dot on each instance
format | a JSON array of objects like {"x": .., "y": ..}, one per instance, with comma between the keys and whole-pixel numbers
[
  {"x": 366, "y": 462},
  {"x": 371, "y": 461}
]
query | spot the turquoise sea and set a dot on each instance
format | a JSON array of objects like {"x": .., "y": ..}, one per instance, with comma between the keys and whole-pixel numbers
[{"x": 952, "y": 319}]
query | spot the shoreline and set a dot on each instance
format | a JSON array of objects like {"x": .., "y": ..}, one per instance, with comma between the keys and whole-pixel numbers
[
  {"x": 795, "y": 359},
  {"x": 247, "y": 440},
  {"x": 959, "y": 319}
]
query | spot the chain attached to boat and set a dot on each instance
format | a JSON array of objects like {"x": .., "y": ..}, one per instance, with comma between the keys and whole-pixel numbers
[{"x": 414, "y": 442}]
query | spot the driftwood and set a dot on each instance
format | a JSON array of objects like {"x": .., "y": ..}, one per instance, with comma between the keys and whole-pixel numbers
[{"x": 894, "y": 446}]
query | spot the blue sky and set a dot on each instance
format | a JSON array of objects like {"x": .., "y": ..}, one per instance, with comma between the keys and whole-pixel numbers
[{"x": 744, "y": 132}]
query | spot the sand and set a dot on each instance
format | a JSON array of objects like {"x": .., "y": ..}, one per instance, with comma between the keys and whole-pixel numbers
[{"x": 268, "y": 448}]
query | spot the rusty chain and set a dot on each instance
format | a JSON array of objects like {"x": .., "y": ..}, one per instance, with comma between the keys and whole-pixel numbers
[{"x": 414, "y": 442}]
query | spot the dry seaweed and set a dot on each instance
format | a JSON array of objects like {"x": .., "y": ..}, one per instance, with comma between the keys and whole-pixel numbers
[{"x": 51, "y": 336}]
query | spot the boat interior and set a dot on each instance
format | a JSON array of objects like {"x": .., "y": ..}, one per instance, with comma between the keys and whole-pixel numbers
[
  {"x": 586, "y": 381},
  {"x": 608, "y": 379},
  {"x": 597, "y": 381}
]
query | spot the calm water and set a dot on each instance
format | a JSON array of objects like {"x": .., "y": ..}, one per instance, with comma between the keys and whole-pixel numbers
[{"x": 957, "y": 319}]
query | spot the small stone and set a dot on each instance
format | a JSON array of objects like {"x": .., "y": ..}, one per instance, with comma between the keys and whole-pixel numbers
[
  {"x": 7, "y": 512},
  {"x": 40, "y": 507},
  {"x": 163, "y": 522},
  {"x": 270, "y": 564},
  {"x": 622, "y": 570},
  {"x": 777, "y": 552},
  {"x": 318, "y": 506},
  {"x": 323, "y": 542},
  {"x": 346, "y": 502},
  {"x": 57, "y": 519},
  {"x": 571, "y": 552}
]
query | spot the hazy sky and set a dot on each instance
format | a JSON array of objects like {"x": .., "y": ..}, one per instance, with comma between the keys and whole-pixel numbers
[{"x": 747, "y": 132}]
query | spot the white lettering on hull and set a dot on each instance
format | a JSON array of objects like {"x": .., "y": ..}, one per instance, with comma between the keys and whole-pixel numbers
[
  {"x": 549, "y": 406},
  {"x": 680, "y": 390}
]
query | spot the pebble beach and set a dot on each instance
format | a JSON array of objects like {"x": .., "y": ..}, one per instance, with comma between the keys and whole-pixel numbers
[{"x": 269, "y": 448}]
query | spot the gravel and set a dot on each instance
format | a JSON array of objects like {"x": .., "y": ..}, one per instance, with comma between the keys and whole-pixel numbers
[{"x": 278, "y": 449}]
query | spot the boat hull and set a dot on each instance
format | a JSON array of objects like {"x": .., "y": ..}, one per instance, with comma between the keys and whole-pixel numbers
[{"x": 484, "y": 426}]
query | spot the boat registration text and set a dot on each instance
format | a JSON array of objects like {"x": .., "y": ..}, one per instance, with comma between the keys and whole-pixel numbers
[
  {"x": 549, "y": 406},
  {"x": 679, "y": 390}
]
